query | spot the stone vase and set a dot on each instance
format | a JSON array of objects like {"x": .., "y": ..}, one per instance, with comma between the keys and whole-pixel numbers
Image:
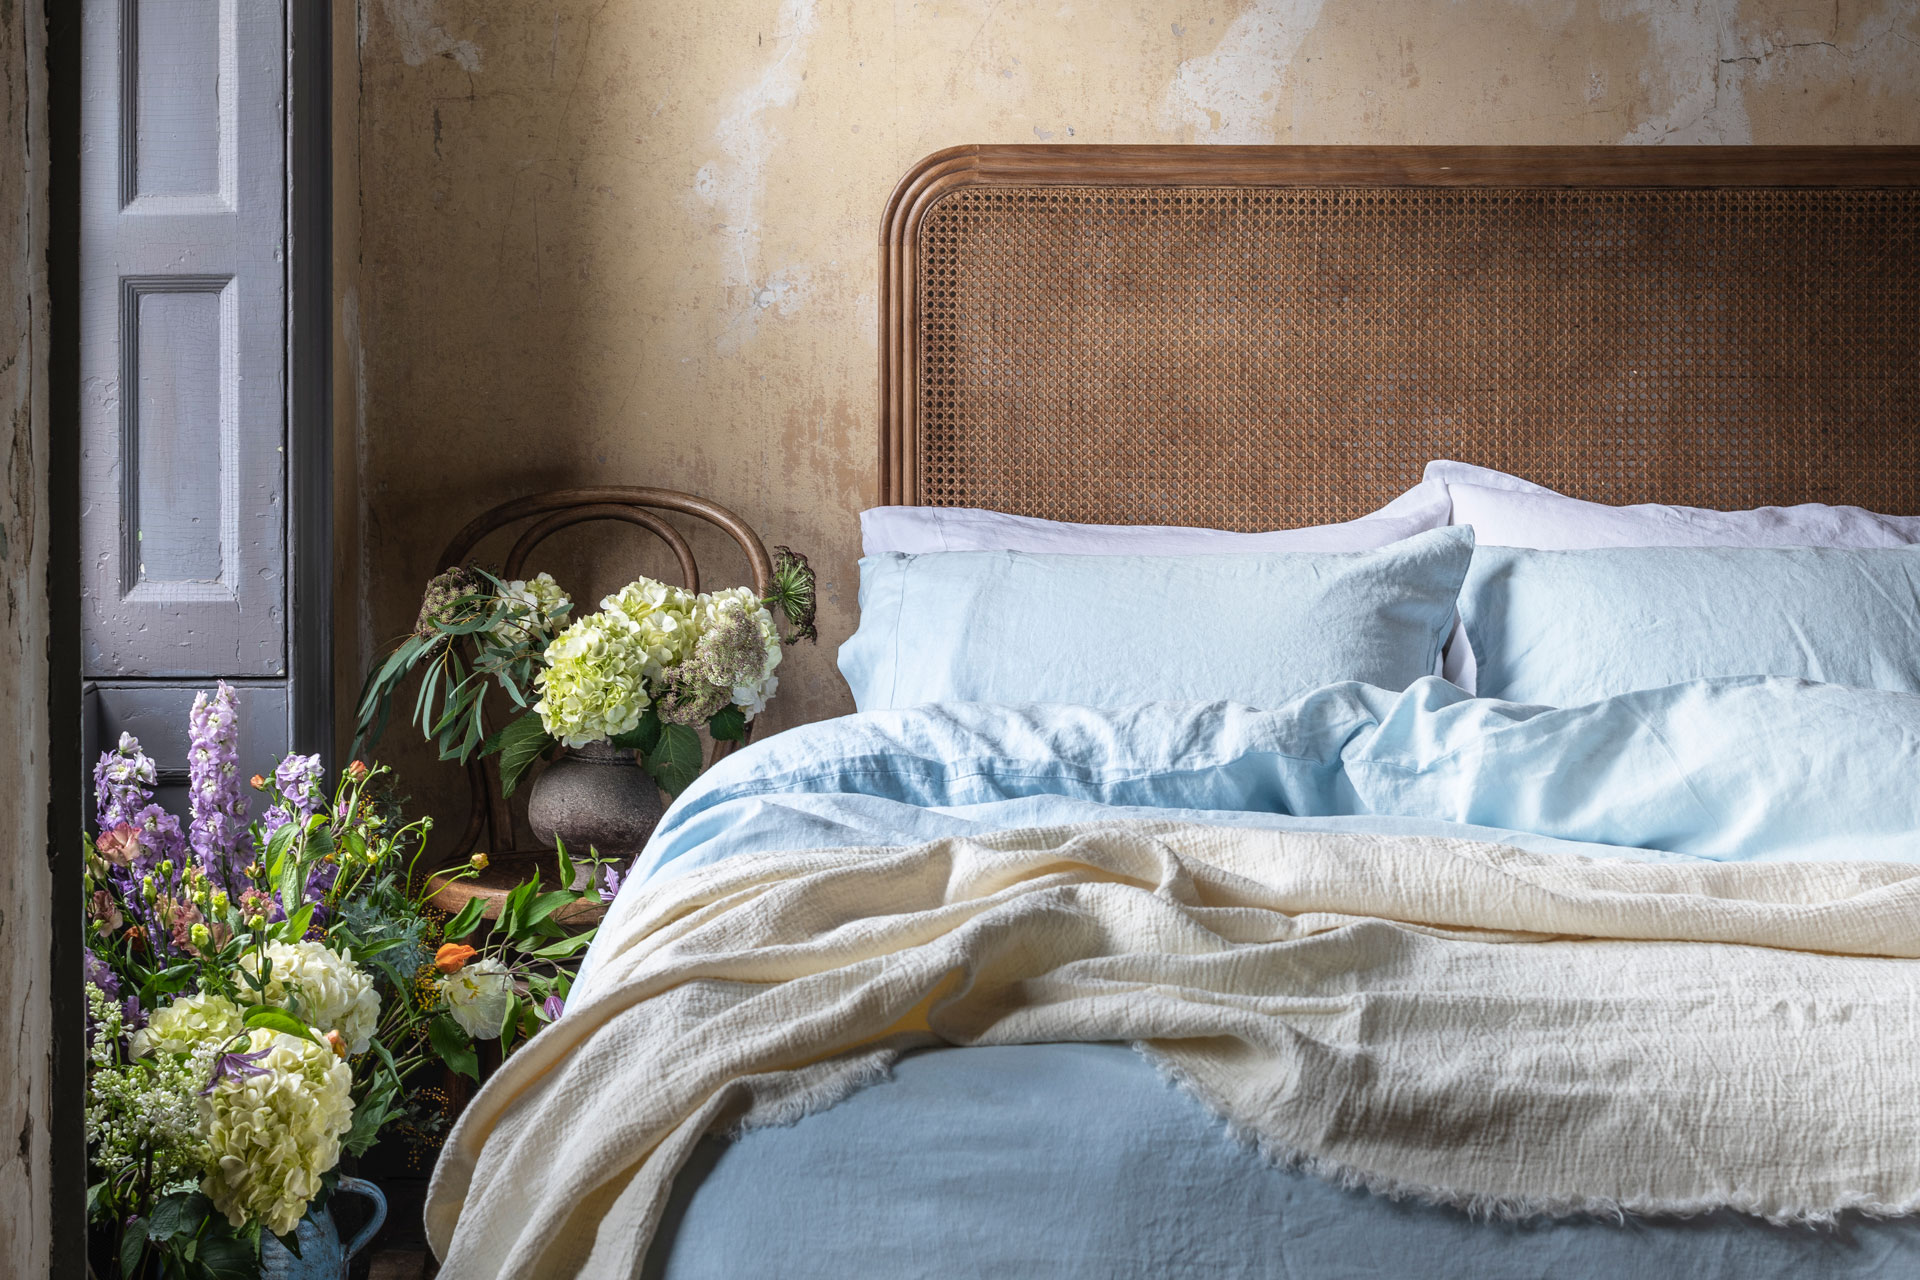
[
  {"x": 595, "y": 797},
  {"x": 322, "y": 1256}
]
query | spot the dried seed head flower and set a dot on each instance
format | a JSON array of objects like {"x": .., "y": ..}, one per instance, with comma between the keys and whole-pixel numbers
[
  {"x": 793, "y": 593},
  {"x": 443, "y": 591}
]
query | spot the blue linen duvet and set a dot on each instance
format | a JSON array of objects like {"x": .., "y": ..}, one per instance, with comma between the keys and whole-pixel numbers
[{"x": 1077, "y": 1160}]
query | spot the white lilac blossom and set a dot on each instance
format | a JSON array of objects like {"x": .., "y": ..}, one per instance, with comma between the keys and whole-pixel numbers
[
  {"x": 327, "y": 989},
  {"x": 145, "y": 1109},
  {"x": 298, "y": 779},
  {"x": 218, "y": 830},
  {"x": 477, "y": 996},
  {"x": 274, "y": 1124}
]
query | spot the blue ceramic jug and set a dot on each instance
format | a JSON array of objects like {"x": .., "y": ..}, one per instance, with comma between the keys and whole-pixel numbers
[{"x": 321, "y": 1255}]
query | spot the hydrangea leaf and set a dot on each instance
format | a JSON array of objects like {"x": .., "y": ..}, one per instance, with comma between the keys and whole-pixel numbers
[
  {"x": 643, "y": 737},
  {"x": 177, "y": 1214},
  {"x": 675, "y": 761},
  {"x": 729, "y": 724}
]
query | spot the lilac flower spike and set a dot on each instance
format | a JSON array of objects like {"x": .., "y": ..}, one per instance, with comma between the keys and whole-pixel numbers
[{"x": 218, "y": 830}]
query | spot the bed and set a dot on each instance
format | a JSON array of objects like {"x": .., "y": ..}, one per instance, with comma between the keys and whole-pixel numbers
[{"x": 1237, "y": 339}]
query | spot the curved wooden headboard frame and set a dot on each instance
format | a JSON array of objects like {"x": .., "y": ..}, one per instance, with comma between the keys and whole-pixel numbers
[{"x": 970, "y": 168}]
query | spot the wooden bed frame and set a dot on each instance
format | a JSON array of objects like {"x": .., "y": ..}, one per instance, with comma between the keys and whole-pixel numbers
[{"x": 1256, "y": 337}]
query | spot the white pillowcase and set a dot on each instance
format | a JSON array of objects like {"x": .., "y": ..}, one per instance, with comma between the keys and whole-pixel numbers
[
  {"x": 1506, "y": 511},
  {"x": 921, "y": 530}
]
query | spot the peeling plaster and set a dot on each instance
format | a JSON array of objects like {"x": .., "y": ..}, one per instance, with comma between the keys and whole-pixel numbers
[
  {"x": 1690, "y": 44},
  {"x": 732, "y": 187},
  {"x": 1229, "y": 93},
  {"x": 420, "y": 36},
  {"x": 782, "y": 293}
]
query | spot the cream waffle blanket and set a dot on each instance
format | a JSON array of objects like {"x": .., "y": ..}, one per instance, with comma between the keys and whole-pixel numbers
[{"x": 1463, "y": 1022}]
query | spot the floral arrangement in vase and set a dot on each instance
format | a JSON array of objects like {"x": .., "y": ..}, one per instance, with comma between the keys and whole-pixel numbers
[
  {"x": 654, "y": 665},
  {"x": 260, "y": 993}
]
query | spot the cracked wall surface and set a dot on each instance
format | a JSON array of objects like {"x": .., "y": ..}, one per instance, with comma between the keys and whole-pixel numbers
[
  {"x": 26, "y": 882},
  {"x": 624, "y": 242}
]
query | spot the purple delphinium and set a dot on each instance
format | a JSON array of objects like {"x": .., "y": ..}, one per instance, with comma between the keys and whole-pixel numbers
[
  {"x": 123, "y": 782},
  {"x": 298, "y": 779},
  {"x": 218, "y": 830}
]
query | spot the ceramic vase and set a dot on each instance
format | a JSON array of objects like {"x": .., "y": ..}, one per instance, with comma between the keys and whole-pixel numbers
[
  {"x": 595, "y": 797},
  {"x": 322, "y": 1256}
]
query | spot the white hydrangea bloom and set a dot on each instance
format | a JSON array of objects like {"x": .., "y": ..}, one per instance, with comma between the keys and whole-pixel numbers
[
  {"x": 664, "y": 620},
  {"x": 273, "y": 1134},
  {"x": 326, "y": 988},
  {"x": 546, "y": 604},
  {"x": 186, "y": 1024},
  {"x": 593, "y": 686},
  {"x": 477, "y": 996}
]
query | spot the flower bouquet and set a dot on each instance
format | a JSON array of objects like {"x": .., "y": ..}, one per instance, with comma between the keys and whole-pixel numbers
[
  {"x": 260, "y": 994},
  {"x": 655, "y": 664}
]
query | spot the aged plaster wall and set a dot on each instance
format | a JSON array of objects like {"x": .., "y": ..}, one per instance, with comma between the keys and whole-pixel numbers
[
  {"x": 26, "y": 887},
  {"x": 607, "y": 240}
]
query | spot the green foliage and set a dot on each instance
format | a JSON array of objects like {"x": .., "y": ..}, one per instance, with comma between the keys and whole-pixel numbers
[
  {"x": 643, "y": 737},
  {"x": 454, "y": 1047},
  {"x": 520, "y": 743},
  {"x": 477, "y": 640},
  {"x": 675, "y": 761},
  {"x": 273, "y": 1019},
  {"x": 729, "y": 724},
  {"x": 465, "y": 920}
]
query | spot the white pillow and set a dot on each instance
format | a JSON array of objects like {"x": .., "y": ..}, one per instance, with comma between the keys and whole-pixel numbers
[
  {"x": 921, "y": 530},
  {"x": 1506, "y": 511}
]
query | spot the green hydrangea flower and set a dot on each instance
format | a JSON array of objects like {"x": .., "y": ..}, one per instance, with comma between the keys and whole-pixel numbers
[{"x": 594, "y": 686}]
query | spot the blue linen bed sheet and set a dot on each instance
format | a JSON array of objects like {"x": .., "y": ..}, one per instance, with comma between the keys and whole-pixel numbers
[{"x": 1077, "y": 1160}]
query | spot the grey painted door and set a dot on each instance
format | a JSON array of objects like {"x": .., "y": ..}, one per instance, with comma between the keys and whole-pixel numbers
[{"x": 184, "y": 367}]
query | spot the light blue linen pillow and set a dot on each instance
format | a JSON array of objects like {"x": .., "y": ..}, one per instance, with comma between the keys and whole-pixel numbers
[
  {"x": 1100, "y": 630},
  {"x": 1564, "y": 628}
]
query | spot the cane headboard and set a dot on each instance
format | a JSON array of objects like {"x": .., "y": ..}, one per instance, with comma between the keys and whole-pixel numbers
[{"x": 1248, "y": 337}]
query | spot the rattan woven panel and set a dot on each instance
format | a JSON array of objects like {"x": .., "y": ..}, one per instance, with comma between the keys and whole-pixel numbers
[{"x": 1263, "y": 356}]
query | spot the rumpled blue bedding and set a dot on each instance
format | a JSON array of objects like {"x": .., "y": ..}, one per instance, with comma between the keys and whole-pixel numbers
[{"x": 1077, "y": 1160}]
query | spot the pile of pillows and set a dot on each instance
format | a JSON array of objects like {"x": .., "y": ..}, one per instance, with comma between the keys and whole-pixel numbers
[{"x": 1510, "y": 590}]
